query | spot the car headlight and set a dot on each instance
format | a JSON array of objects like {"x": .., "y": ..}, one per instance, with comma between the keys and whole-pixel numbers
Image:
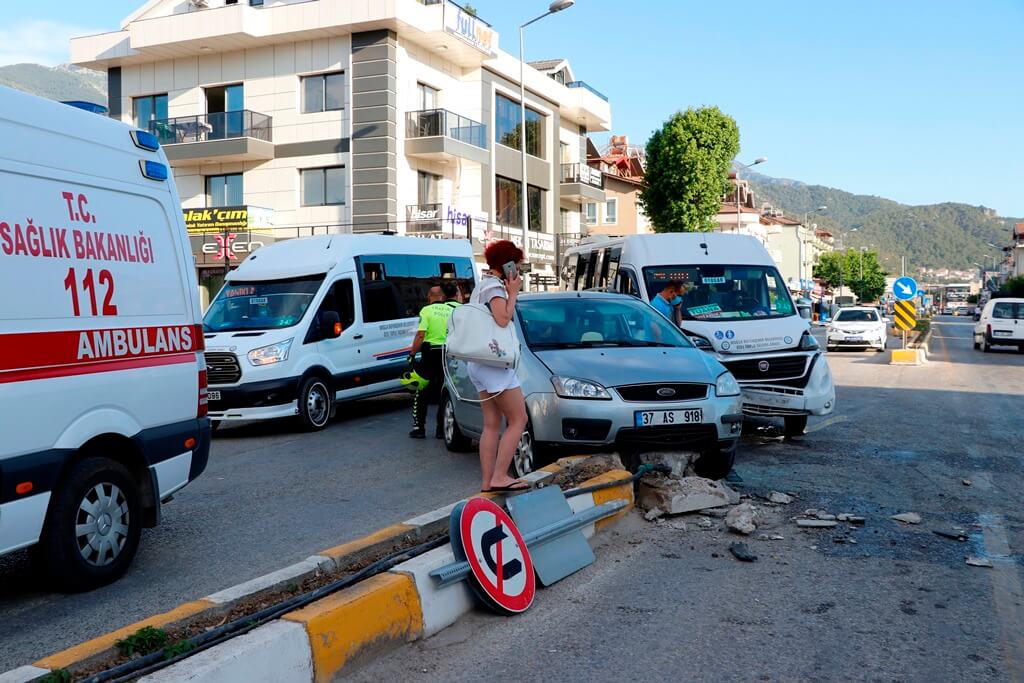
[
  {"x": 571, "y": 387},
  {"x": 268, "y": 355},
  {"x": 808, "y": 343},
  {"x": 727, "y": 385}
]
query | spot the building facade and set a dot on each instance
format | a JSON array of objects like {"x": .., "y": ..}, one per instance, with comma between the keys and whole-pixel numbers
[
  {"x": 284, "y": 118},
  {"x": 621, "y": 165},
  {"x": 740, "y": 214}
]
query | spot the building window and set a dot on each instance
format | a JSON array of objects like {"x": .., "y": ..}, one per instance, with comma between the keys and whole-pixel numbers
[
  {"x": 323, "y": 92},
  {"x": 590, "y": 213},
  {"x": 506, "y": 126},
  {"x": 426, "y": 97},
  {"x": 563, "y": 220},
  {"x": 224, "y": 190},
  {"x": 323, "y": 186},
  {"x": 149, "y": 108},
  {"x": 508, "y": 196},
  {"x": 427, "y": 185},
  {"x": 611, "y": 211}
]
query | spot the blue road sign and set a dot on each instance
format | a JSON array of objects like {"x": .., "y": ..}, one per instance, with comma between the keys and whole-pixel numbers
[{"x": 905, "y": 288}]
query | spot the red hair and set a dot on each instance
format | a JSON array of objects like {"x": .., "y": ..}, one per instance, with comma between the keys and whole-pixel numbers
[{"x": 501, "y": 252}]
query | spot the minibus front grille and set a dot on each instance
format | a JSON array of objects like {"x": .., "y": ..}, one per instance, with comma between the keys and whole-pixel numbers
[{"x": 222, "y": 368}]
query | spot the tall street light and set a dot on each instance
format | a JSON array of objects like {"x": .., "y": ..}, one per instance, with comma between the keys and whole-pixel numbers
[
  {"x": 556, "y": 6},
  {"x": 759, "y": 160},
  {"x": 842, "y": 263}
]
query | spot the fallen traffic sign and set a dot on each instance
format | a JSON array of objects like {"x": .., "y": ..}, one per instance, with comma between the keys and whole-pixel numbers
[
  {"x": 484, "y": 536},
  {"x": 905, "y": 315}
]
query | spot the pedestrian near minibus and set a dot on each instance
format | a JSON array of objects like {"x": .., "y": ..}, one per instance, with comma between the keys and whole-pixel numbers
[
  {"x": 429, "y": 341},
  {"x": 500, "y": 392},
  {"x": 668, "y": 299}
]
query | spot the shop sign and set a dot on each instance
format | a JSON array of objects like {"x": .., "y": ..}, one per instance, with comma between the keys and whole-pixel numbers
[
  {"x": 227, "y": 218},
  {"x": 226, "y": 248},
  {"x": 469, "y": 29}
]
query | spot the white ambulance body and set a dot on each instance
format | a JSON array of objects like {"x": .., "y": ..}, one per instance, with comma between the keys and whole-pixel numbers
[
  {"x": 102, "y": 378},
  {"x": 305, "y": 323}
]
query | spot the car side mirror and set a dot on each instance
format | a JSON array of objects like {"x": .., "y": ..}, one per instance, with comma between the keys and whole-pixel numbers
[{"x": 330, "y": 325}]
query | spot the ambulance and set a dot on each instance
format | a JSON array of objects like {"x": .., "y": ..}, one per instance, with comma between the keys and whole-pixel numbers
[{"x": 102, "y": 375}]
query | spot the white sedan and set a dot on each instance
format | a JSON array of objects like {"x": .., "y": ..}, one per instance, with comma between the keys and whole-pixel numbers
[{"x": 857, "y": 326}]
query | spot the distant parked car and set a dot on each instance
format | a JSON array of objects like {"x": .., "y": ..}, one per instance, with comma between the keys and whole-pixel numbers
[
  {"x": 607, "y": 371},
  {"x": 1001, "y": 324},
  {"x": 859, "y": 327}
]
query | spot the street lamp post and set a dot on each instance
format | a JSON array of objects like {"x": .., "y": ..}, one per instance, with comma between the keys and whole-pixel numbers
[
  {"x": 555, "y": 6},
  {"x": 819, "y": 210},
  {"x": 759, "y": 160}
]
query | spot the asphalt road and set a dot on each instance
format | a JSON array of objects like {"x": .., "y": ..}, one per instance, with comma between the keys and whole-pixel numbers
[
  {"x": 269, "y": 497},
  {"x": 671, "y": 604}
]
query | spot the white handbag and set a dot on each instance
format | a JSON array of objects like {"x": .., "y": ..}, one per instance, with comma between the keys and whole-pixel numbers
[{"x": 474, "y": 336}]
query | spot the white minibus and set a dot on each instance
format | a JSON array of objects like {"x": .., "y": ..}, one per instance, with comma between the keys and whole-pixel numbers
[{"x": 736, "y": 306}]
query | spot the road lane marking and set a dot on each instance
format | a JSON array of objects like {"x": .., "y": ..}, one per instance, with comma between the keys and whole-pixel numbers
[{"x": 835, "y": 419}]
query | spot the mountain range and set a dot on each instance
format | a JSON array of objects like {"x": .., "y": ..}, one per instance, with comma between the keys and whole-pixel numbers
[{"x": 949, "y": 235}]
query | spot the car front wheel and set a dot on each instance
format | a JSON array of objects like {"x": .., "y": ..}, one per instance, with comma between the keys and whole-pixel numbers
[
  {"x": 715, "y": 463},
  {"x": 796, "y": 425},
  {"x": 314, "y": 404},
  {"x": 454, "y": 440}
]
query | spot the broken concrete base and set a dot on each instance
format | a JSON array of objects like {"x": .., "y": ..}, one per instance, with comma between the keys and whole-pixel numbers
[
  {"x": 688, "y": 494},
  {"x": 742, "y": 519},
  {"x": 681, "y": 462}
]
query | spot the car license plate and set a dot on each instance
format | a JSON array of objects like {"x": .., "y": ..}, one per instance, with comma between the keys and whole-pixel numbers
[
  {"x": 661, "y": 418},
  {"x": 855, "y": 338},
  {"x": 212, "y": 395},
  {"x": 1001, "y": 333}
]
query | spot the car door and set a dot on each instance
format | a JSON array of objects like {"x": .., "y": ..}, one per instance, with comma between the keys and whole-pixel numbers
[
  {"x": 1003, "y": 323},
  {"x": 342, "y": 355}
]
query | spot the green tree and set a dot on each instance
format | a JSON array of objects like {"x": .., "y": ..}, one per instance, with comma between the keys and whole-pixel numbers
[
  {"x": 860, "y": 272},
  {"x": 1014, "y": 286},
  {"x": 687, "y": 171}
]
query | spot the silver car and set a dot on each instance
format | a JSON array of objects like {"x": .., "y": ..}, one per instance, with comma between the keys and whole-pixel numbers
[{"x": 606, "y": 371}]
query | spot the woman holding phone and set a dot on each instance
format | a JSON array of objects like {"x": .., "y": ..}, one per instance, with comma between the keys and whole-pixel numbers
[{"x": 499, "y": 388}]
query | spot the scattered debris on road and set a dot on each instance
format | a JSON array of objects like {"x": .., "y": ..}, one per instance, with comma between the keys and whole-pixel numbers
[
  {"x": 907, "y": 518},
  {"x": 680, "y": 495},
  {"x": 742, "y": 519},
  {"x": 956, "y": 534},
  {"x": 979, "y": 562},
  {"x": 966, "y": 482},
  {"x": 816, "y": 523},
  {"x": 741, "y": 552},
  {"x": 780, "y": 498}
]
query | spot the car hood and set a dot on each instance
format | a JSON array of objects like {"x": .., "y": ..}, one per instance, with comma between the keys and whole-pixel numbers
[
  {"x": 869, "y": 325},
  {"x": 613, "y": 367}
]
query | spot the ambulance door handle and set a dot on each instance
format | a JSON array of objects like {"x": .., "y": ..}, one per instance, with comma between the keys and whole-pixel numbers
[{"x": 357, "y": 336}]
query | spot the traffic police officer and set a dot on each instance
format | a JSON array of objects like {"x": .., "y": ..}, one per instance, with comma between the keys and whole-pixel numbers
[{"x": 430, "y": 338}]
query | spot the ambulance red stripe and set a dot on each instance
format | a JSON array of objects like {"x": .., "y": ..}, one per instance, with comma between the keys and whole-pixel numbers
[{"x": 93, "y": 368}]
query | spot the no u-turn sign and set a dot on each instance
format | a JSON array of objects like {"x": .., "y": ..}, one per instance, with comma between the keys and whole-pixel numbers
[{"x": 485, "y": 536}]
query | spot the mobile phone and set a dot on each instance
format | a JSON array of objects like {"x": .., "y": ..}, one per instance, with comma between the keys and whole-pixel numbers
[{"x": 509, "y": 270}]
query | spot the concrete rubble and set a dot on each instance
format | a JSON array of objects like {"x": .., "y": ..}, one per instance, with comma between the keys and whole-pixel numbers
[
  {"x": 979, "y": 562},
  {"x": 816, "y": 523},
  {"x": 687, "y": 494},
  {"x": 742, "y": 518},
  {"x": 907, "y": 518},
  {"x": 780, "y": 498}
]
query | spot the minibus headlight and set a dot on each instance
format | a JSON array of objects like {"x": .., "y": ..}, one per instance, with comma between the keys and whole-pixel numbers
[{"x": 268, "y": 355}]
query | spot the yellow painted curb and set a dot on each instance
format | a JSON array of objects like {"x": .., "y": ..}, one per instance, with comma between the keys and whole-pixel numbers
[
  {"x": 371, "y": 614},
  {"x": 97, "y": 646},
  {"x": 368, "y": 544},
  {"x": 622, "y": 492},
  {"x": 905, "y": 357}
]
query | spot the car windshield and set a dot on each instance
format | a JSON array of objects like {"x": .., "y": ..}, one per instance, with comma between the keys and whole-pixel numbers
[
  {"x": 724, "y": 291},
  {"x": 566, "y": 323},
  {"x": 265, "y": 305},
  {"x": 856, "y": 316}
]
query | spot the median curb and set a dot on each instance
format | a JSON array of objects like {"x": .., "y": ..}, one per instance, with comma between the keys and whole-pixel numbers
[{"x": 384, "y": 611}]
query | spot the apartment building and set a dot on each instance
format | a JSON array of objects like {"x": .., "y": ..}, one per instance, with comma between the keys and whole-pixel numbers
[
  {"x": 740, "y": 214},
  {"x": 284, "y": 118},
  {"x": 621, "y": 167}
]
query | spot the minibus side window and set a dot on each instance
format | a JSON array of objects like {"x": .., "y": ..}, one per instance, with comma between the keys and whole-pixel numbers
[
  {"x": 569, "y": 271},
  {"x": 612, "y": 266},
  {"x": 341, "y": 300}
]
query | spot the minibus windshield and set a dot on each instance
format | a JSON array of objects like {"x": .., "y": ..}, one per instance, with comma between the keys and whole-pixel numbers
[
  {"x": 266, "y": 305},
  {"x": 724, "y": 291}
]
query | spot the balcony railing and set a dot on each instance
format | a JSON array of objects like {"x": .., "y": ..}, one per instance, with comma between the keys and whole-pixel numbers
[
  {"x": 438, "y": 122},
  {"x": 219, "y": 126},
  {"x": 582, "y": 84},
  {"x": 581, "y": 173}
]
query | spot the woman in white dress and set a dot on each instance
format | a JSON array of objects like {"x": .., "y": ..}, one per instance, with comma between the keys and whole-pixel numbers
[{"x": 499, "y": 387}]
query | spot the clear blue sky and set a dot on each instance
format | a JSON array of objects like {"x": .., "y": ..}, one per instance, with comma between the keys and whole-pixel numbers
[{"x": 920, "y": 101}]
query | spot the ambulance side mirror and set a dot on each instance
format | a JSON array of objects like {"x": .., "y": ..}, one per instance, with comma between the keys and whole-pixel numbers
[{"x": 330, "y": 325}]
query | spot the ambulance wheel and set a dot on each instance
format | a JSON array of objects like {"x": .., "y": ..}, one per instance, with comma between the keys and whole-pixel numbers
[
  {"x": 92, "y": 528},
  {"x": 796, "y": 425},
  {"x": 314, "y": 404}
]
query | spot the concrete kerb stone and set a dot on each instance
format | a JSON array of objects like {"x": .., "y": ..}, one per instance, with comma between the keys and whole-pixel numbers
[{"x": 396, "y": 597}]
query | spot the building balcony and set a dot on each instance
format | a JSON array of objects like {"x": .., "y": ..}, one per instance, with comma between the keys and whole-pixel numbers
[
  {"x": 225, "y": 136},
  {"x": 582, "y": 183},
  {"x": 585, "y": 86},
  {"x": 442, "y": 135}
]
